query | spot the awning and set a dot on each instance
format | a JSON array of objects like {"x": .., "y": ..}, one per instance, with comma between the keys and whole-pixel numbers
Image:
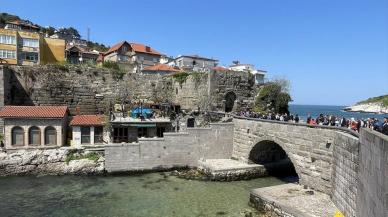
[{"x": 142, "y": 125}]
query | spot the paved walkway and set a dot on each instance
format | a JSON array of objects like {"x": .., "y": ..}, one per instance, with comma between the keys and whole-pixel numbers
[{"x": 295, "y": 201}]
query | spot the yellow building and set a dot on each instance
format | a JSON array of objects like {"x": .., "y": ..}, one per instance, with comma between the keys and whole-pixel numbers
[
  {"x": 29, "y": 48},
  {"x": 52, "y": 50},
  {"x": 8, "y": 46}
]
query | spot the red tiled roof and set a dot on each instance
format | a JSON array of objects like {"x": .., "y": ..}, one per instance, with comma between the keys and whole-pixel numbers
[
  {"x": 115, "y": 47},
  {"x": 87, "y": 120},
  {"x": 161, "y": 67},
  {"x": 33, "y": 111},
  {"x": 141, "y": 48},
  {"x": 220, "y": 69}
]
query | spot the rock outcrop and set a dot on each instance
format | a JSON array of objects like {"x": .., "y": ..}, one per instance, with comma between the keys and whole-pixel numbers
[
  {"x": 368, "y": 107},
  {"x": 49, "y": 162}
]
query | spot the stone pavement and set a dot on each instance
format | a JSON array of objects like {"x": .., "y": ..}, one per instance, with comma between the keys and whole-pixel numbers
[{"x": 292, "y": 200}]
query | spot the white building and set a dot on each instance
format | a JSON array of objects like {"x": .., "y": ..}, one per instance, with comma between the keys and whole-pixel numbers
[
  {"x": 88, "y": 130},
  {"x": 249, "y": 68},
  {"x": 194, "y": 63}
]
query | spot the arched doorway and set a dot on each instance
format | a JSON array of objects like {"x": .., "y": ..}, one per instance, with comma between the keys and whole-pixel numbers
[
  {"x": 230, "y": 97},
  {"x": 273, "y": 157}
]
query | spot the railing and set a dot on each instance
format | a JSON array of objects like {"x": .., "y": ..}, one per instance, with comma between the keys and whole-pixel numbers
[{"x": 342, "y": 129}]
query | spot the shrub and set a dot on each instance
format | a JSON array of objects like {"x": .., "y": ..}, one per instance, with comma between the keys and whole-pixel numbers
[{"x": 73, "y": 155}]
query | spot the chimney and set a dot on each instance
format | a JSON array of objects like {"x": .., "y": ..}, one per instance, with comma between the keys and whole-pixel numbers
[
  {"x": 148, "y": 49},
  {"x": 77, "y": 110}
]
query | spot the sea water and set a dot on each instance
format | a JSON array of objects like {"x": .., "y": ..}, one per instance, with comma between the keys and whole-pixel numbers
[
  {"x": 316, "y": 110},
  {"x": 147, "y": 195}
]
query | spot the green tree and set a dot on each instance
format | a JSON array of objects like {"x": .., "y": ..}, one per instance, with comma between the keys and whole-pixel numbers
[{"x": 274, "y": 97}]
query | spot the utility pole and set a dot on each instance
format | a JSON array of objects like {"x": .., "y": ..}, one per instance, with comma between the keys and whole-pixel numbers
[{"x": 88, "y": 34}]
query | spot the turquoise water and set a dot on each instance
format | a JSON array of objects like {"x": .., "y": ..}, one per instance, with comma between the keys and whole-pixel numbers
[
  {"x": 315, "y": 110},
  {"x": 148, "y": 195}
]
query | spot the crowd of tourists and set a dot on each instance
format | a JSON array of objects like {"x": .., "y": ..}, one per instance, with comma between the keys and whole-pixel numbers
[{"x": 327, "y": 120}]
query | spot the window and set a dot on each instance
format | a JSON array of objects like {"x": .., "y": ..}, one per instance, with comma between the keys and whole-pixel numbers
[
  {"x": 17, "y": 136},
  {"x": 30, "y": 57},
  {"x": 29, "y": 42},
  {"x": 160, "y": 131},
  {"x": 50, "y": 136},
  {"x": 142, "y": 132},
  {"x": 34, "y": 136},
  {"x": 7, "y": 39},
  {"x": 85, "y": 135},
  {"x": 98, "y": 135},
  {"x": 120, "y": 134},
  {"x": 8, "y": 54}
]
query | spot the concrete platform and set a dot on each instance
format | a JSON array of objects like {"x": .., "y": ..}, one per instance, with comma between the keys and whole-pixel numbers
[
  {"x": 292, "y": 200},
  {"x": 230, "y": 170},
  {"x": 218, "y": 165}
]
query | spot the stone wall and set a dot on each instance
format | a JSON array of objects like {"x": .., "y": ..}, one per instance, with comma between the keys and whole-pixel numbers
[
  {"x": 173, "y": 150},
  {"x": 92, "y": 89},
  {"x": 372, "y": 197},
  {"x": 344, "y": 175},
  {"x": 310, "y": 149}
]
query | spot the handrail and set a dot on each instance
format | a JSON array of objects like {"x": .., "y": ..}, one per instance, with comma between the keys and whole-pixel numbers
[{"x": 346, "y": 130}]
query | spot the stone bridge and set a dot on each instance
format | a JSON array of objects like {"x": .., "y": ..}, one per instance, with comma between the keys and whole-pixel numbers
[{"x": 350, "y": 167}]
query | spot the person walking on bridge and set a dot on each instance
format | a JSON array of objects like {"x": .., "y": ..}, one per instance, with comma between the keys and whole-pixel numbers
[{"x": 385, "y": 126}]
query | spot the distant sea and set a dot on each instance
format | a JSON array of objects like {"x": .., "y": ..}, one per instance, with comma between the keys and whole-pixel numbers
[{"x": 315, "y": 110}]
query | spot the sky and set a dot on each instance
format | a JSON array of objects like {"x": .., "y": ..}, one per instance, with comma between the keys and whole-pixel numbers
[{"x": 334, "y": 52}]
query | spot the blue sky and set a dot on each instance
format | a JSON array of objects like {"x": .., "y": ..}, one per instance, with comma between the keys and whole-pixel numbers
[{"x": 334, "y": 52}]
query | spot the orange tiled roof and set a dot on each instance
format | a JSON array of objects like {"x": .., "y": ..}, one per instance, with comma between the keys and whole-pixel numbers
[
  {"x": 161, "y": 67},
  {"x": 144, "y": 49},
  {"x": 220, "y": 69},
  {"x": 87, "y": 120},
  {"x": 141, "y": 48},
  {"x": 33, "y": 111},
  {"x": 115, "y": 47}
]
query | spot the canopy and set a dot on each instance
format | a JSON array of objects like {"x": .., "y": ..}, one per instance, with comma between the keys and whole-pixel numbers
[{"x": 146, "y": 112}]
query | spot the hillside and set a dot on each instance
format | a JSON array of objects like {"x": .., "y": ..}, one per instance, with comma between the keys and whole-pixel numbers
[
  {"x": 49, "y": 30},
  {"x": 379, "y": 99},
  {"x": 377, "y": 104}
]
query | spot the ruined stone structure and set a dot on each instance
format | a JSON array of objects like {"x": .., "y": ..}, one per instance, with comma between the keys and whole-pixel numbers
[{"x": 92, "y": 89}]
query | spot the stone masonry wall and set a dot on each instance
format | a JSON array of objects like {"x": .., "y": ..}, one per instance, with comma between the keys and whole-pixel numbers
[
  {"x": 93, "y": 89},
  {"x": 310, "y": 149},
  {"x": 344, "y": 175},
  {"x": 372, "y": 197},
  {"x": 173, "y": 150}
]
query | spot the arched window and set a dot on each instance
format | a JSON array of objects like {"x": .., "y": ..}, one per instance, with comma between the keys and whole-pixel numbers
[
  {"x": 50, "y": 136},
  {"x": 34, "y": 136},
  {"x": 17, "y": 136}
]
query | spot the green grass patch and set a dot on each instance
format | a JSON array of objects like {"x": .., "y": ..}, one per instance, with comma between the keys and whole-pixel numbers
[{"x": 73, "y": 155}]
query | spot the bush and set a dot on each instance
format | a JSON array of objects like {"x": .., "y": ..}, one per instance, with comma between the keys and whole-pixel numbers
[
  {"x": 180, "y": 77},
  {"x": 73, "y": 155},
  {"x": 111, "y": 65}
]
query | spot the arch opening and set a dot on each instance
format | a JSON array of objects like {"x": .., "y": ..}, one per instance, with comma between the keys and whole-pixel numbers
[
  {"x": 230, "y": 97},
  {"x": 273, "y": 157}
]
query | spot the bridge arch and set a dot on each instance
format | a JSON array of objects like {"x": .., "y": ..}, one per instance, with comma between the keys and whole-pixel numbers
[{"x": 275, "y": 156}]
